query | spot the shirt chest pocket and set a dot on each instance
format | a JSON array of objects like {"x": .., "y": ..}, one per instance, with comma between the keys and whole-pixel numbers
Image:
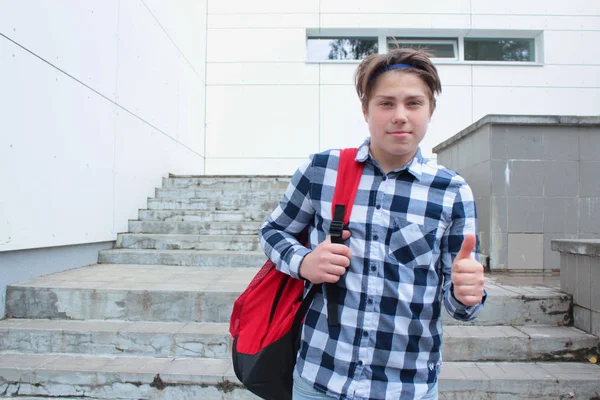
[{"x": 412, "y": 245}]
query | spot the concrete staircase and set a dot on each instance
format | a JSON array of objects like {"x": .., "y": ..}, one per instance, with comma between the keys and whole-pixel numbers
[{"x": 150, "y": 320}]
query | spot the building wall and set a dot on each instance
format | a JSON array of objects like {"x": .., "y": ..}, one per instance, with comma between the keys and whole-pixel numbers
[
  {"x": 99, "y": 100},
  {"x": 267, "y": 108},
  {"x": 534, "y": 180}
]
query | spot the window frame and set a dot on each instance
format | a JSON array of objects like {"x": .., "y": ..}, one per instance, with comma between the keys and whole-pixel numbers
[{"x": 410, "y": 40}]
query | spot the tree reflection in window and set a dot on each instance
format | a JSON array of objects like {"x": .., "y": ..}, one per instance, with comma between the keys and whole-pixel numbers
[
  {"x": 338, "y": 48},
  {"x": 499, "y": 49}
]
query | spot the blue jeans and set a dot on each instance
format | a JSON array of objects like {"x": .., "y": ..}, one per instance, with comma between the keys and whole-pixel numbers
[{"x": 304, "y": 391}]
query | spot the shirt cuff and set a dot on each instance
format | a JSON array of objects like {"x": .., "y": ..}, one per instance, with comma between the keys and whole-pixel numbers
[{"x": 296, "y": 260}]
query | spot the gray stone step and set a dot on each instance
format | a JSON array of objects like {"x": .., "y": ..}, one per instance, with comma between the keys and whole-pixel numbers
[
  {"x": 198, "y": 258},
  {"x": 195, "y": 228},
  {"x": 173, "y": 339},
  {"x": 225, "y": 203},
  {"x": 175, "y": 293},
  {"x": 189, "y": 242},
  {"x": 241, "y": 183},
  {"x": 131, "y": 292},
  {"x": 140, "y": 338},
  {"x": 202, "y": 216},
  {"x": 217, "y": 194},
  {"x": 196, "y": 378}
]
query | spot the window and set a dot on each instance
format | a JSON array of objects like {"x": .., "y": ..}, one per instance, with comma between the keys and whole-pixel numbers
[
  {"x": 496, "y": 49},
  {"x": 439, "y": 48},
  {"x": 341, "y": 48}
]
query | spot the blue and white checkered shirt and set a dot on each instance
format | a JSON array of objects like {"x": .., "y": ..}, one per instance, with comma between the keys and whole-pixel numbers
[{"x": 407, "y": 227}]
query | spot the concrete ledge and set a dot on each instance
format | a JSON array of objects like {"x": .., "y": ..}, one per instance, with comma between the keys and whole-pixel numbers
[
  {"x": 589, "y": 247},
  {"x": 554, "y": 120}
]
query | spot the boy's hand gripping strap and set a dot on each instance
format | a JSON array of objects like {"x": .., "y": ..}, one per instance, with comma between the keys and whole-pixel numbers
[{"x": 346, "y": 186}]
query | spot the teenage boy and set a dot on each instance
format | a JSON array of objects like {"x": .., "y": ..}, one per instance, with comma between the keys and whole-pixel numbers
[{"x": 410, "y": 247}]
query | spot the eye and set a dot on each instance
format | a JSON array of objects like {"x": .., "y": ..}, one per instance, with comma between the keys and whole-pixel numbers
[
  {"x": 386, "y": 103},
  {"x": 414, "y": 103}
]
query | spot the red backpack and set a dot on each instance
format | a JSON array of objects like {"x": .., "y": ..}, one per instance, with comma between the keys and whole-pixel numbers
[{"x": 266, "y": 321}]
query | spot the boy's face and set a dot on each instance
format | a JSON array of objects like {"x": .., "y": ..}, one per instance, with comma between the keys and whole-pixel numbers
[{"x": 398, "y": 115}]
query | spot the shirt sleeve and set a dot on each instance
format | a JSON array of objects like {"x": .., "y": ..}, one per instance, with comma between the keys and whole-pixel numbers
[
  {"x": 281, "y": 230},
  {"x": 464, "y": 221}
]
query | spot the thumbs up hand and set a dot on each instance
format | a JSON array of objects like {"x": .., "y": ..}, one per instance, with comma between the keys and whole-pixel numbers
[{"x": 467, "y": 274}]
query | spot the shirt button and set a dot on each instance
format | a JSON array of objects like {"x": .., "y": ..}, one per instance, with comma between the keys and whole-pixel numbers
[
  {"x": 375, "y": 237},
  {"x": 378, "y": 206},
  {"x": 384, "y": 177},
  {"x": 370, "y": 301},
  {"x": 365, "y": 334},
  {"x": 373, "y": 268},
  {"x": 360, "y": 362}
]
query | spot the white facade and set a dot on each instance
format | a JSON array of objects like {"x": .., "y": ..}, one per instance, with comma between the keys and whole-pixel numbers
[{"x": 100, "y": 99}]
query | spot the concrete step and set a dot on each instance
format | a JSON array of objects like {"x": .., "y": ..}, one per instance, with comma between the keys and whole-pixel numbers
[
  {"x": 241, "y": 183},
  {"x": 132, "y": 378},
  {"x": 195, "y": 228},
  {"x": 131, "y": 292},
  {"x": 212, "y": 340},
  {"x": 176, "y": 293},
  {"x": 140, "y": 338},
  {"x": 224, "y": 203},
  {"x": 201, "y": 216},
  {"x": 197, "y": 258},
  {"x": 219, "y": 194},
  {"x": 189, "y": 242}
]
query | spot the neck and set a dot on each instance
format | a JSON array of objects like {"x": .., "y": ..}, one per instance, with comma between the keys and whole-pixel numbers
[{"x": 389, "y": 164}]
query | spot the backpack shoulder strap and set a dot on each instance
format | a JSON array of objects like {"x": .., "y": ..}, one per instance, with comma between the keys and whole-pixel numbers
[{"x": 346, "y": 186}]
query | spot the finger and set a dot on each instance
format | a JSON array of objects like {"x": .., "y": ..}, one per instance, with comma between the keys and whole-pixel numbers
[
  {"x": 346, "y": 234},
  {"x": 467, "y": 247},
  {"x": 338, "y": 260},
  {"x": 334, "y": 270}
]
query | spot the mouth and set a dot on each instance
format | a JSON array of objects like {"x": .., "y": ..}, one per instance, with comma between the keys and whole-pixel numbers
[{"x": 399, "y": 133}]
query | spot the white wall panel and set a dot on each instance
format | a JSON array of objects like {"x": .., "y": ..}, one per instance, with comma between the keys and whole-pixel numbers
[
  {"x": 262, "y": 121},
  {"x": 254, "y": 166},
  {"x": 395, "y": 6},
  {"x": 454, "y": 75},
  {"x": 453, "y": 113},
  {"x": 337, "y": 73},
  {"x": 535, "y": 101},
  {"x": 77, "y": 37},
  {"x": 143, "y": 156},
  {"x": 536, "y": 22},
  {"x": 342, "y": 121},
  {"x": 398, "y": 20},
  {"x": 191, "y": 110},
  {"x": 262, "y": 6},
  {"x": 571, "y": 47},
  {"x": 148, "y": 65},
  {"x": 185, "y": 23},
  {"x": 57, "y": 163},
  {"x": 256, "y": 45},
  {"x": 262, "y": 73},
  {"x": 583, "y": 76},
  {"x": 217, "y": 21},
  {"x": 537, "y": 7}
]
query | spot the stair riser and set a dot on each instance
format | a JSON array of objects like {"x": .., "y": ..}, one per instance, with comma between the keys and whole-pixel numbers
[
  {"x": 231, "y": 259},
  {"x": 102, "y": 385},
  {"x": 33, "y": 302},
  {"x": 191, "y": 242},
  {"x": 195, "y": 228},
  {"x": 241, "y": 183},
  {"x": 201, "y": 216},
  {"x": 246, "y": 204},
  {"x": 233, "y": 194},
  {"x": 157, "y": 344},
  {"x": 513, "y": 311},
  {"x": 146, "y": 344},
  {"x": 82, "y": 304}
]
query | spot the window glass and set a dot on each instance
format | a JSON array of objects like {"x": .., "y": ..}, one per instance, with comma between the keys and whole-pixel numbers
[
  {"x": 341, "y": 48},
  {"x": 437, "y": 48},
  {"x": 487, "y": 49}
]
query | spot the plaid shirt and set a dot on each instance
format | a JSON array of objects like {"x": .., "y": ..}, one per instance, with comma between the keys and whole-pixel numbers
[{"x": 407, "y": 227}]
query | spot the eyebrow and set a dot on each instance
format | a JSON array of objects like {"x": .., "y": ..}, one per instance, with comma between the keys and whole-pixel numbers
[{"x": 414, "y": 96}]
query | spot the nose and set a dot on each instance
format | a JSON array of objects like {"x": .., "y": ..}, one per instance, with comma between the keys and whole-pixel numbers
[{"x": 399, "y": 116}]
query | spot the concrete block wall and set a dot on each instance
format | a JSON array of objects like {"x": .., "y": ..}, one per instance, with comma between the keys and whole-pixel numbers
[
  {"x": 580, "y": 277},
  {"x": 534, "y": 179}
]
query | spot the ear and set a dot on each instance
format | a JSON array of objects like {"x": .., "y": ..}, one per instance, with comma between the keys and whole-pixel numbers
[{"x": 366, "y": 115}]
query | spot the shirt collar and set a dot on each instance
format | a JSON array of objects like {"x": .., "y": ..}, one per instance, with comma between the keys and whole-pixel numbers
[{"x": 414, "y": 167}]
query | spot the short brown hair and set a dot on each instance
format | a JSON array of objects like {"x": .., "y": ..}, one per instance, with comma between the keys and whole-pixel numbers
[{"x": 372, "y": 66}]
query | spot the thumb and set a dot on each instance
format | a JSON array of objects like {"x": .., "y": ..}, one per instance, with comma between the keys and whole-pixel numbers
[{"x": 468, "y": 245}]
